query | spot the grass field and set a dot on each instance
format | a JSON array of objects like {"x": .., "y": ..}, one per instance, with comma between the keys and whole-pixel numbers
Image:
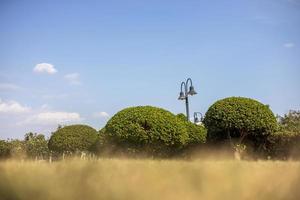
[{"x": 149, "y": 179}]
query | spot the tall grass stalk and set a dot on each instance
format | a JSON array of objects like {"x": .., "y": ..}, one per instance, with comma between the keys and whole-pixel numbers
[{"x": 149, "y": 179}]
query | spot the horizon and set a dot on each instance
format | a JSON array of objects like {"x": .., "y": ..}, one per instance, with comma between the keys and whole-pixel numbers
[{"x": 80, "y": 63}]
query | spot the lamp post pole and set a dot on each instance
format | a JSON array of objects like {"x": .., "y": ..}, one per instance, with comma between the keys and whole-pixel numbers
[
  {"x": 187, "y": 108},
  {"x": 184, "y": 95}
]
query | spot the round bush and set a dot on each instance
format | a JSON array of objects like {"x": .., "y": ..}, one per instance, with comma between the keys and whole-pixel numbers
[
  {"x": 73, "y": 138},
  {"x": 238, "y": 117},
  {"x": 147, "y": 129},
  {"x": 197, "y": 133}
]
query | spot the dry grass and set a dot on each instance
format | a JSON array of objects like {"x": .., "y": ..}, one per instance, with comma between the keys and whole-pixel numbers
[{"x": 149, "y": 179}]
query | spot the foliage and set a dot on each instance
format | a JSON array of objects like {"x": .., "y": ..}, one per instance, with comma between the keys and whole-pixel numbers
[
  {"x": 73, "y": 138},
  {"x": 17, "y": 149},
  {"x": 285, "y": 143},
  {"x": 181, "y": 116},
  {"x": 101, "y": 143},
  {"x": 238, "y": 117},
  {"x": 147, "y": 129},
  {"x": 36, "y": 145},
  {"x": 290, "y": 121},
  {"x": 4, "y": 149},
  {"x": 196, "y": 133}
]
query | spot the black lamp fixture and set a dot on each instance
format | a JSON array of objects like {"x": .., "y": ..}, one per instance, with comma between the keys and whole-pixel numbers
[
  {"x": 198, "y": 120},
  {"x": 184, "y": 93}
]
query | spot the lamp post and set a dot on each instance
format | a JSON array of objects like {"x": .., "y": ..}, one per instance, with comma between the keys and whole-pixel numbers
[
  {"x": 196, "y": 118},
  {"x": 184, "y": 95}
]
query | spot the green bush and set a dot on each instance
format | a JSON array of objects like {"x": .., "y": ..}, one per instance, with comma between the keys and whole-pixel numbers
[
  {"x": 146, "y": 129},
  {"x": 197, "y": 133},
  {"x": 283, "y": 145},
  {"x": 73, "y": 138},
  {"x": 238, "y": 118},
  {"x": 102, "y": 144},
  {"x": 290, "y": 122},
  {"x": 36, "y": 145},
  {"x": 4, "y": 149},
  {"x": 17, "y": 149}
]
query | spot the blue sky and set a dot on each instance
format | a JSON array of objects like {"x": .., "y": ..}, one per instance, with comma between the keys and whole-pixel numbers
[{"x": 82, "y": 61}]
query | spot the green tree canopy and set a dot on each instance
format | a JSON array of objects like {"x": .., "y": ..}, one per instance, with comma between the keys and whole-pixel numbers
[
  {"x": 147, "y": 128},
  {"x": 73, "y": 138},
  {"x": 291, "y": 121},
  {"x": 238, "y": 117},
  {"x": 285, "y": 143},
  {"x": 36, "y": 145},
  {"x": 197, "y": 133}
]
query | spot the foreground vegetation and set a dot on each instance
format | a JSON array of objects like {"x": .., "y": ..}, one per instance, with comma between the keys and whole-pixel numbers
[{"x": 149, "y": 179}]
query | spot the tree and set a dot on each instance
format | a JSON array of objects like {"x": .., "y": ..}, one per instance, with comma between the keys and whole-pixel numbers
[
  {"x": 285, "y": 143},
  {"x": 73, "y": 138},
  {"x": 17, "y": 149},
  {"x": 4, "y": 149},
  {"x": 36, "y": 145},
  {"x": 236, "y": 118},
  {"x": 290, "y": 121},
  {"x": 146, "y": 129}
]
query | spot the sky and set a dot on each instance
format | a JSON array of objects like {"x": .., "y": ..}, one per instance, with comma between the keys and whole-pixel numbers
[{"x": 70, "y": 62}]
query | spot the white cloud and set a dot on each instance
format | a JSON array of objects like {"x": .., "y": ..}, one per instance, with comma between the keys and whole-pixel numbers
[
  {"x": 101, "y": 115},
  {"x": 49, "y": 118},
  {"x": 8, "y": 86},
  {"x": 289, "y": 45},
  {"x": 12, "y": 107},
  {"x": 17, "y": 119},
  {"x": 73, "y": 78},
  {"x": 44, "y": 68}
]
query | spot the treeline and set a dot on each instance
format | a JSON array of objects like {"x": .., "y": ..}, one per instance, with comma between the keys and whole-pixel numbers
[
  {"x": 33, "y": 146},
  {"x": 242, "y": 126}
]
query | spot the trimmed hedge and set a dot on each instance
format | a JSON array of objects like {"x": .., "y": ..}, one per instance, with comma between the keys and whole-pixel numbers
[
  {"x": 197, "y": 133},
  {"x": 283, "y": 145},
  {"x": 147, "y": 129},
  {"x": 73, "y": 138},
  {"x": 239, "y": 117}
]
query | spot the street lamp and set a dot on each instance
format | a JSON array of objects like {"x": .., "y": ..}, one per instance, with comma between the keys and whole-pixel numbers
[
  {"x": 184, "y": 95},
  {"x": 198, "y": 120}
]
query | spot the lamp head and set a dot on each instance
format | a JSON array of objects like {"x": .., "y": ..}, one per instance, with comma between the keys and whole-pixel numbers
[
  {"x": 196, "y": 120},
  {"x": 192, "y": 91},
  {"x": 181, "y": 96}
]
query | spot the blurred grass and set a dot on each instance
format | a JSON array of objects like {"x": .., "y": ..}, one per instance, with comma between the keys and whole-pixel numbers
[{"x": 149, "y": 179}]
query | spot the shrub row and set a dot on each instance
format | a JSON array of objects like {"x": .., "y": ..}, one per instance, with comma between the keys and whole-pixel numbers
[{"x": 241, "y": 123}]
